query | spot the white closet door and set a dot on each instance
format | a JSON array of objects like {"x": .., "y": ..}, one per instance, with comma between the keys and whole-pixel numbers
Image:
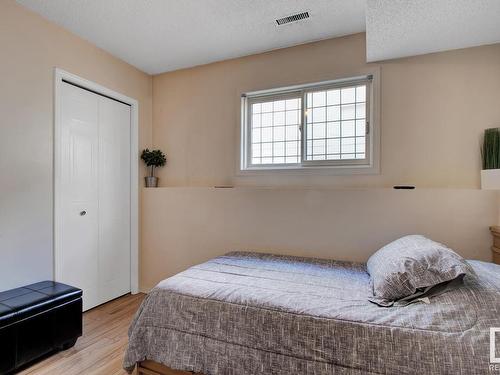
[
  {"x": 94, "y": 229},
  {"x": 114, "y": 198}
]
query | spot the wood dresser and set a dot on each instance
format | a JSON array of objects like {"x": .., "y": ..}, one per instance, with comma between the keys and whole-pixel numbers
[{"x": 495, "y": 249}]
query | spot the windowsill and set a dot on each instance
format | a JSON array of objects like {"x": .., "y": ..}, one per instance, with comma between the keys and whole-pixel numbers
[{"x": 321, "y": 169}]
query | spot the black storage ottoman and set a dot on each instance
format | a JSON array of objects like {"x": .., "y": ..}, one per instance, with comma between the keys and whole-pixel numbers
[{"x": 37, "y": 319}]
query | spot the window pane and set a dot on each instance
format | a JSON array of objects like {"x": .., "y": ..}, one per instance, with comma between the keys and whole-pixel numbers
[
  {"x": 360, "y": 145},
  {"x": 279, "y": 133},
  {"x": 292, "y": 104},
  {"x": 347, "y": 145},
  {"x": 348, "y": 129},
  {"x": 348, "y": 95},
  {"x": 279, "y": 105},
  {"x": 292, "y": 117},
  {"x": 347, "y": 112},
  {"x": 360, "y": 127},
  {"x": 273, "y": 122},
  {"x": 267, "y": 107},
  {"x": 361, "y": 94},
  {"x": 279, "y": 118},
  {"x": 318, "y": 114},
  {"x": 333, "y": 113},
  {"x": 319, "y": 147},
  {"x": 267, "y": 149},
  {"x": 319, "y": 130},
  {"x": 256, "y": 121},
  {"x": 333, "y": 129},
  {"x": 292, "y": 133},
  {"x": 292, "y": 148},
  {"x": 256, "y": 135},
  {"x": 267, "y": 134},
  {"x": 336, "y": 124},
  {"x": 333, "y": 97},
  {"x": 333, "y": 146},
  {"x": 256, "y": 150},
  {"x": 267, "y": 119},
  {"x": 279, "y": 149},
  {"x": 319, "y": 99},
  {"x": 360, "y": 110}
]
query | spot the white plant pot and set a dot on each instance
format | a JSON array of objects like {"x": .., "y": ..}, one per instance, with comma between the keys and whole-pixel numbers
[{"x": 490, "y": 179}]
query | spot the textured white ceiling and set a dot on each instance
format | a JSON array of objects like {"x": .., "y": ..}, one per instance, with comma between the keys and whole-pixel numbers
[
  {"x": 164, "y": 35},
  {"x": 399, "y": 28}
]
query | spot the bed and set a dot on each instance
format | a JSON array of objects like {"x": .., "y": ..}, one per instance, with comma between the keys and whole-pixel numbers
[{"x": 253, "y": 313}]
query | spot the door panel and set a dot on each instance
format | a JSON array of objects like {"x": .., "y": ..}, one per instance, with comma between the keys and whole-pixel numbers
[
  {"x": 114, "y": 198},
  {"x": 95, "y": 195},
  {"x": 79, "y": 192}
]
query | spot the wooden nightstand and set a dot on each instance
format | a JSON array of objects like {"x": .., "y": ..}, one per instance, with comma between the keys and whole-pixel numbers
[{"x": 495, "y": 249}]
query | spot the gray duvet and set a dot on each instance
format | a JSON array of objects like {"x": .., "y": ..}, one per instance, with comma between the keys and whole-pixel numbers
[{"x": 248, "y": 313}]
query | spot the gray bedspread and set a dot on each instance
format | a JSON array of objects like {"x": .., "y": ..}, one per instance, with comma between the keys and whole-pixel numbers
[{"x": 249, "y": 313}]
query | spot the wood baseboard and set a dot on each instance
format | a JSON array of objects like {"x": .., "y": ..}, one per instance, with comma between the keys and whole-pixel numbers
[{"x": 154, "y": 368}]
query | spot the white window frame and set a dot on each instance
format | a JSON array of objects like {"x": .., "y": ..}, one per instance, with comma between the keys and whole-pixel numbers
[{"x": 369, "y": 165}]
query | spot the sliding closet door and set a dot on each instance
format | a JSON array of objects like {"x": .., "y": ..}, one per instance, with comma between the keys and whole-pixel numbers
[
  {"x": 114, "y": 198},
  {"x": 94, "y": 229},
  {"x": 79, "y": 192}
]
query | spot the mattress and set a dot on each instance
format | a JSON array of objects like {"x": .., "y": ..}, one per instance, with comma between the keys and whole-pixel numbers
[{"x": 252, "y": 313}]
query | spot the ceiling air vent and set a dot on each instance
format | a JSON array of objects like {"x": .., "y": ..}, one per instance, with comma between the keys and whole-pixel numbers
[{"x": 292, "y": 18}]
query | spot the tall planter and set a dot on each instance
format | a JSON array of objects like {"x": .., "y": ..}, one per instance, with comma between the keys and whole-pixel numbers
[
  {"x": 490, "y": 153},
  {"x": 490, "y": 179}
]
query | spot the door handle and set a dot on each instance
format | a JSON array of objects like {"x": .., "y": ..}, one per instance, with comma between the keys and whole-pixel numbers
[{"x": 83, "y": 213}]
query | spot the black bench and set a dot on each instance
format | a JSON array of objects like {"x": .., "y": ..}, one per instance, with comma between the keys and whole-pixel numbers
[{"x": 36, "y": 320}]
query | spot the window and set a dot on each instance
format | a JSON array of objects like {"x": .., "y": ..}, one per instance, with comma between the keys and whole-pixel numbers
[{"x": 317, "y": 125}]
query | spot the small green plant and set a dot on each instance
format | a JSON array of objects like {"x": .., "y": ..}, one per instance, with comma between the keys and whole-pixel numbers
[
  {"x": 490, "y": 152},
  {"x": 153, "y": 159}
]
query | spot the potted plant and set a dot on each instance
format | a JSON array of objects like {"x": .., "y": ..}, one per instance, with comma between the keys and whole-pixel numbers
[
  {"x": 153, "y": 159},
  {"x": 490, "y": 153}
]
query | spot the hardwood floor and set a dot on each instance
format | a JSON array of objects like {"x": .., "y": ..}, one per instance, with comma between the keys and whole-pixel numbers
[{"x": 100, "y": 350}]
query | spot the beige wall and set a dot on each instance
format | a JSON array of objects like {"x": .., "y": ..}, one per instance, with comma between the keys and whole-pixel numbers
[
  {"x": 433, "y": 110},
  {"x": 30, "y": 48},
  {"x": 185, "y": 226}
]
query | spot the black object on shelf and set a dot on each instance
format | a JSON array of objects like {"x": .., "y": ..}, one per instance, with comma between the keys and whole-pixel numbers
[
  {"x": 403, "y": 187},
  {"x": 37, "y": 320}
]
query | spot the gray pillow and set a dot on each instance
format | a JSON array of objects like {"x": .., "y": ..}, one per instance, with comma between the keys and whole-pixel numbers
[{"x": 411, "y": 265}]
